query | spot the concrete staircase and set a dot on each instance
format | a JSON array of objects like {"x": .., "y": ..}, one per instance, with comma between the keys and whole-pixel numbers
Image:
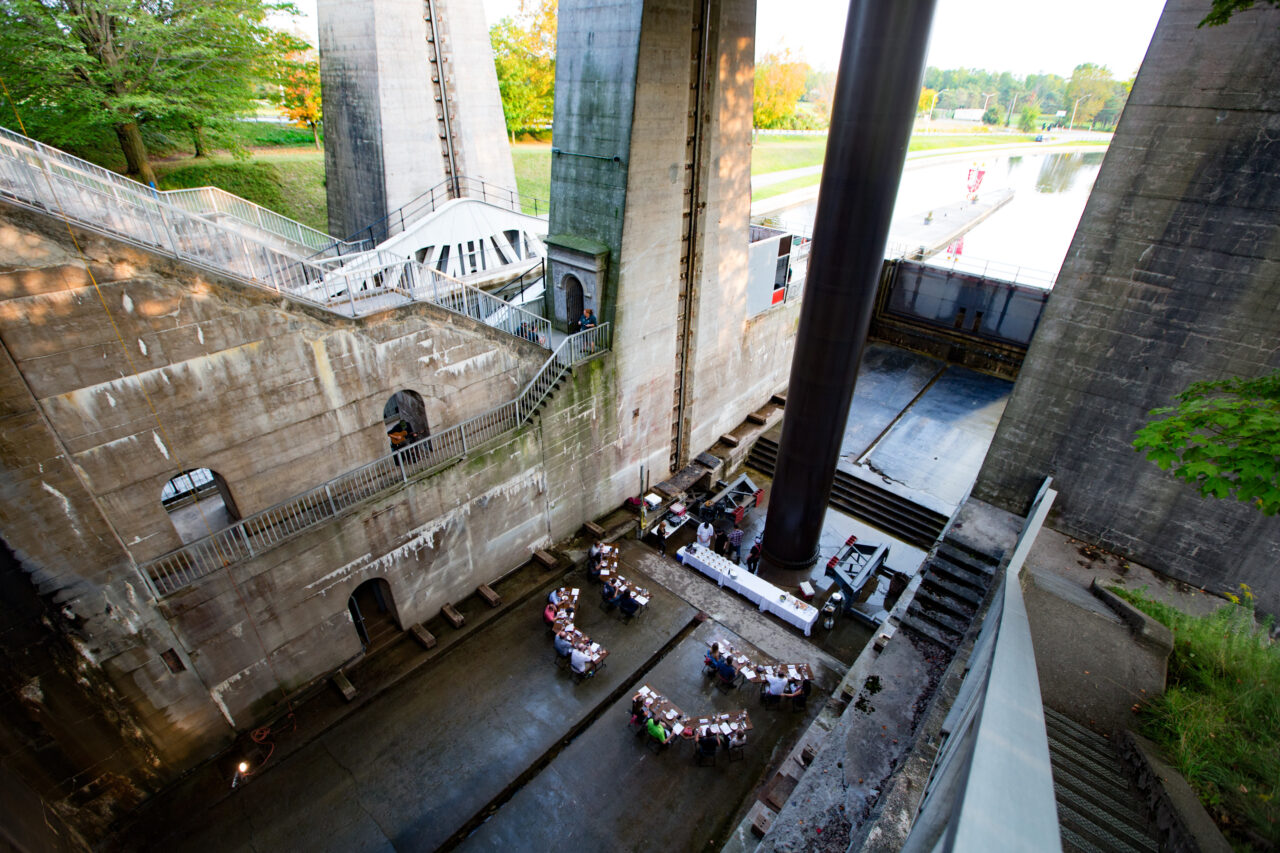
[
  {"x": 1098, "y": 809},
  {"x": 901, "y": 518},
  {"x": 952, "y": 586}
]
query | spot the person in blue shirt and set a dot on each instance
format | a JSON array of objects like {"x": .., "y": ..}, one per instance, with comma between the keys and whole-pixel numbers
[{"x": 562, "y": 644}]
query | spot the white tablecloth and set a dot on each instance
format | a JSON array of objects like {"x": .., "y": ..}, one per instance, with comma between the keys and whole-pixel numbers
[{"x": 760, "y": 592}]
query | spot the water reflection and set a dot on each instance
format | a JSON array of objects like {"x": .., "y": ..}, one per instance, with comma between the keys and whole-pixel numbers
[{"x": 1059, "y": 172}]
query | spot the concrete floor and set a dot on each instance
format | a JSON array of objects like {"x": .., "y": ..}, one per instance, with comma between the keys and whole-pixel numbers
[{"x": 427, "y": 761}]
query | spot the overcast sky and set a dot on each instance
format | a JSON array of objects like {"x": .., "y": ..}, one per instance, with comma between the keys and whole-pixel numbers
[{"x": 1021, "y": 36}]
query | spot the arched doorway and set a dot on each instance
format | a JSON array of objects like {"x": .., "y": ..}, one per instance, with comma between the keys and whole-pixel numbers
[
  {"x": 405, "y": 408},
  {"x": 572, "y": 300},
  {"x": 199, "y": 503},
  {"x": 373, "y": 613}
]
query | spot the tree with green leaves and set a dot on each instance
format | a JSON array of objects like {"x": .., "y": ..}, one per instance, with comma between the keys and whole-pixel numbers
[
  {"x": 1089, "y": 89},
  {"x": 1223, "y": 10},
  {"x": 524, "y": 57},
  {"x": 1028, "y": 118},
  {"x": 1224, "y": 437},
  {"x": 79, "y": 68}
]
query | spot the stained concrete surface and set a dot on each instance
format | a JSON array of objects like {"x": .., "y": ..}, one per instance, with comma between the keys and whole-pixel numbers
[
  {"x": 407, "y": 771},
  {"x": 609, "y": 791},
  {"x": 889, "y": 378},
  {"x": 937, "y": 447}
]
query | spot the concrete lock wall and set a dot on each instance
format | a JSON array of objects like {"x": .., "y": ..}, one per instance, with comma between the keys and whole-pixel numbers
[
  {"x": 1173, "y": 277},
  {"x": 275, "y": 397}
]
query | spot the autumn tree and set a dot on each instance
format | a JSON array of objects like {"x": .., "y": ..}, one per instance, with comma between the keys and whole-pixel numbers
[
  {"x": 77, "y": 68},
  {"x": 779, "y": 84},
  {"x": 1090, "y": 88},
  {"x": 300, "y": 92},
  {"x": 925, "y": 103},
  {"x": 524, "y": 57},
  {"x": 1223, "y": 437}
]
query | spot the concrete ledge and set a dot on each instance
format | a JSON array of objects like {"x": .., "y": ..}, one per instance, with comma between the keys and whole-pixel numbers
[
  {"x": 757, "y": 419},
  {"x": 593, "y": 529},
  {"x": 1182, "y": 825},
  {"x": 1147, "y": 631},
  {"x": 779, "y": 400},
  {"x": 424, "y": 637},
  {"x": 546, "y": 558},
  {"x": 730, "y": 440}
]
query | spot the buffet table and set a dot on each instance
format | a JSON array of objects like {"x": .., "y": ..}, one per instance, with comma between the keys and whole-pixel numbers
[{"x": 760, "y": 592}]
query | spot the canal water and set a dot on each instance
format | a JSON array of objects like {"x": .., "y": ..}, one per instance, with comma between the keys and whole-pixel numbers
[{"x": 1028, "y": 238}]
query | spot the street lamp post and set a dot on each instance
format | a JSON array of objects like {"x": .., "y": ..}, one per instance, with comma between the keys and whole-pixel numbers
[
  {"x": 1008, "y": 120},
  {"x": 987, "y": 99},
  {"x": 936, "y": 95},
  {"x": 1073, "y": 111}
]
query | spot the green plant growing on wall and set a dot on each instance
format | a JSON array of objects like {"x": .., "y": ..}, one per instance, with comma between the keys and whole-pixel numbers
[
  {"x": 1224, "y": 437},
  {"x": 1223, "y": 10}
]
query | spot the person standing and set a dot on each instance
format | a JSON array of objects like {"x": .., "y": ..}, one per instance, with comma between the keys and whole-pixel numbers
[
  {"x": 722, "y": 542},
  {"x": 753, "y": 558},
  {"x": 705, "y": 533},
  {"x": 587, "y": 320},
  {"x": 735, "y": 543}
]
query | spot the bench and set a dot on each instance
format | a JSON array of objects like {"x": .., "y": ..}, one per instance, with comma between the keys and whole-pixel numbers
[
  {"x": 731, "y": 440},
  {"x": 491, "y": 598},
  {"x": 546, "y": 558},
  {"x": 757, "y": 419},
  {"x": 451, "y": 613},
  {"x": 594, "y": 529},
  {"x": 779, "y": 400},
  {"x": 423, "y": 636}
]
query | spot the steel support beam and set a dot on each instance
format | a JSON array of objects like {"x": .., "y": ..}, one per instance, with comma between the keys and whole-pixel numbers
[{"x": 877, "y": 91}]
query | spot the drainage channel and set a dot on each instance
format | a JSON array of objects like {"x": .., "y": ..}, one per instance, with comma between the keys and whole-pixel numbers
[{"x": 530, "y": 772}]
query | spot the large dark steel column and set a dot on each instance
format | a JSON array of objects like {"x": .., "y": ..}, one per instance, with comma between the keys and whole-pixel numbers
[{"x": 877, "y": 91}]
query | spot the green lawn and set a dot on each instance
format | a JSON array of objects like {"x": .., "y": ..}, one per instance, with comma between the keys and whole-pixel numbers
[{"x": 1218, "y": 721}]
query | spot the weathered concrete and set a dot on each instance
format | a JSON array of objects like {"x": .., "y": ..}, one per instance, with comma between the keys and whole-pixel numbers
[
  {"x": 389, "y": 73},
  {"x": 1173, "y": 276}
]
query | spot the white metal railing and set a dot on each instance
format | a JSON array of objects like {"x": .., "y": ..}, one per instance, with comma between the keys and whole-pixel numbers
[
  {"x": 38, "y": 176},
  {"x": 991, "y": 787},
  {"x": 266, "y": 529},
  {"x": 213, "y": 201}
]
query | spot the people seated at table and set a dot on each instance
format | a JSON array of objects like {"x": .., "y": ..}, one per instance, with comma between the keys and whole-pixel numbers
[
  {"x": 563, "y": 647},
  {"x": 549, "y": 613},
  {"x": 798, "y": 693},
  {"x": 594, "y": 558},
  {"x": 612, "y": 595},
  {"x": 628, "y": 604},
  {"x": 554, "y": 596},
  {"x": 711, "y": 660},
  {"x": 706, "y": 741},
  {"x": 639, "y": 711},
  {"x": 774, "y": 686},
  {"x": 726, "y": 671},
  {"x": 580, "y": 661},
  {"x": 737, "y": 738},
  {"x": 657, "y": 731}
]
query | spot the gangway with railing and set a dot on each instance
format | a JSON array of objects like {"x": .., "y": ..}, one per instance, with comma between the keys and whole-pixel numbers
[{"x": 234, "y": 237}]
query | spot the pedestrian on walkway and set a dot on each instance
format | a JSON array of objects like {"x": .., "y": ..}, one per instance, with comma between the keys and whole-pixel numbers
[
  {"x": 705, "y": 532},
  {"x": 753, "y": 558},
  {"x": 735, "y": 543}
]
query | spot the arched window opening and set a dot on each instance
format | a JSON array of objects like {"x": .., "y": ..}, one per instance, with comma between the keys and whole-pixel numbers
[
  {"x": 373, "y": 613},
  {"x": 405, "y": 418},
  {"x": 199, "y": 503}
]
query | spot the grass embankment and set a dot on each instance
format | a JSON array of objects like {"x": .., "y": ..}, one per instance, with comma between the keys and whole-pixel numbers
[{"x": 1219, "y": 719}]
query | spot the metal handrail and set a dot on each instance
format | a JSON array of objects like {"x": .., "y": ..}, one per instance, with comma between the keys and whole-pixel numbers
[
  {"x": 263, "y": 530},
  {"x": 48, "y": 179},
  {"x": 993, "y": 768},
  {"x": 217, "y": 201},
  {"x": 449, "y": 189}
]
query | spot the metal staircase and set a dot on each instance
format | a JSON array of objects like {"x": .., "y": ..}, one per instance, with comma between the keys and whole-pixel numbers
[
  {"x": 1098, "y": 809},
  {"x": 901, "y": 518},
  {"x": 236, "y": 238}
]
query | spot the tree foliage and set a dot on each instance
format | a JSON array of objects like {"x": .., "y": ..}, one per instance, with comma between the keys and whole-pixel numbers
[
  {"x": 1090, "y": 88},
  {"x": 1028, "y": 118},
  {"x": 524, "y": 56},
  {"x": 1224, "y": 437},
  {"x": 300, "y": 92},
  {"x": 779, "y": 85},
  {"x": 1223, "y": 10},
  {"x": 79, "y": 69}
]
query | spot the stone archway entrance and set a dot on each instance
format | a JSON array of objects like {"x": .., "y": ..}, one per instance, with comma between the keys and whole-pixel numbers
[
  {"x": 373, "y": 614},
  {"x": 572, "y": 300}
]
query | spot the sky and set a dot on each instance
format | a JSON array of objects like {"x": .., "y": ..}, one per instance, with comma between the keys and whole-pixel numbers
[{"x": 1018, "y": 36}]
